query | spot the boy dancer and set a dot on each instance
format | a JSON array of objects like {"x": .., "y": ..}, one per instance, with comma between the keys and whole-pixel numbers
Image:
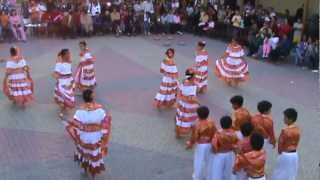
[
  {"x": 263, "y": 124},
  {"x": 253, "y": 162},
  {"x": 244, "y": 146},
  {"x": 223, "y": 145},
  {"x": 240, "y": 115},
  {"x": 287, "y": 162},
  {"x": 202, "y": 134}
]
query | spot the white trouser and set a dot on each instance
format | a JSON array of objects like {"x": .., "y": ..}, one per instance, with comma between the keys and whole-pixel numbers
[
  {"x": 201, "y": 161},
  {"x": 239, "y": 135},
  {"x": 267, "y": 146},
  {"x": 222, "y": 165},
  {"x": 241, "y": 175},
  {"x": 286, "y": 167},
  {"x": 262, "y": 178}
]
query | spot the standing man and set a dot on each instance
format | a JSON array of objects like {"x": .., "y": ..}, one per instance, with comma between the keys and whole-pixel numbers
[{"x": 94, "y": 9}]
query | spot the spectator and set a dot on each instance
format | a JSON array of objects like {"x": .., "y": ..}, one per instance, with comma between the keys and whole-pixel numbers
[
  {"x": 86, "y": 23},
  {"x": 129, "y": 23},
  {"x": 105, "y": 18},
  {"x": 312, "y": 54},
  {"x": 189, "y": 9},
  {"x": 282, "y": 50},
  {"x": 5, "y": 26},
  {"x": 164, "y": 23},
  {"x": 175, "y": 4},
  {"x": 204, "y": 19},
  {"x": 236, "y": 19},
  {"x": 285, "y": 28},
  {"x": 146, "y": 23},
  {"x": 274, "y": 40},
  {"x": 300, "y": 51},
  {"x": 67, "y": 27},
  {"x": 274, "y": 25},
  {"x": 266, "y": 47},
  {"x": 17, "y": 26},
  {"x": 222, "y": 14},
  {"x": 115, "y": 20},
  {"x": 297, "y": 31},
  {"x": 34, "y": 11},
  {"x": 76, "y": 23},
  {"x": 176, "y": 26},
  {"x": 94, "y": 10},
  {"x": 147, "y": 6}
]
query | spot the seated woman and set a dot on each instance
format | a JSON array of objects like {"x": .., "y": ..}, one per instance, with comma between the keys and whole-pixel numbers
[{"x": 17, "y": 26}]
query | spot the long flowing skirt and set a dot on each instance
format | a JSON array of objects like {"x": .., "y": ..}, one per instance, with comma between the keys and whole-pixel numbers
[
  {"x": 64, "y": 93},
  {"x": 19, "y": 90},
  {"x": 232, "y": 70},
  {"x": 167, "y": 93},
  {"x": 186, "y": 116}
]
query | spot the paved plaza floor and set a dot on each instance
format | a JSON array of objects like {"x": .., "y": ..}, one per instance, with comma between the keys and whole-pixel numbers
[{"x": 35, "y": 146}]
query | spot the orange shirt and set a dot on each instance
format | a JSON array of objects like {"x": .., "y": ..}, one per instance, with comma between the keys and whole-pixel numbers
[
  {"x": 252, "y": 162},
  {"x": 289, "y": 139},
  {"x": 240, "y": 116},
  {"x": 263, "y": 125},
  {"x": 224, "y": 141},
  {"x": 244, "y": 145},
  {"x": 203, "y": 132},
  {"x": 4, "y": 19}
]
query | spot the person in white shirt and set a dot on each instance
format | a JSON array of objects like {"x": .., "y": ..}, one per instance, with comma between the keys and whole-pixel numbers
[
  {"x": 146, "y": 23},
  {"x": 177, "y": 24},
  {"x": 164, "y": 24},
  {"x": 94, "y": 9},
  {"x": 147, "y": 6},
  {"x": 175, "y": 4}
]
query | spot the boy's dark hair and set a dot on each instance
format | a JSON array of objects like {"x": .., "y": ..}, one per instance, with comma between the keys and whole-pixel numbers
[
  {"x": 63, "y": 52},
  {"x": 189, "y": 73},
  {"x": 203, "y": 112},
  {"x": 256, "y": 141},
  {"x": 13, "y": 51},
  {"x": 246, "y": 129},
  {"x": 264, "y": 106},
  {"x": 291, "y": 114},
  {"x": 226, "y": 122},
  {"x": 84, "y": 43},
  {"x": 87, "y": 95},
  {"x": 237, "y": 100}
]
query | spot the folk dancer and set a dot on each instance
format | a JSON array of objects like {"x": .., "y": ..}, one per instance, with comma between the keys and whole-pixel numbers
[
  {"x": 263, "y": 124},
  {"x": 202, "y": 133},
  {"x": 243, "y": 147},
  {"x": 186, "y": 114},
  {"x": 223, "y": 144},
  {"x": 166, "y": 97},
  {"x": 90, "y": 130},
  {"x": 85, "y": 72},
  {"x": 17, "y": 83},
  {"x": 232, "y": 67},
  {"x": 240, "y": 114},
  {"x": 64, "y": 89},
  {"x": 201, "y": 66},
  {"x": 253, "y": 162},
  {"x": 288, "y": 161}
]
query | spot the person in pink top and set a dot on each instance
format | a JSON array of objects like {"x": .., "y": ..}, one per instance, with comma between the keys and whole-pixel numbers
[{"x": 17, "y": 26}]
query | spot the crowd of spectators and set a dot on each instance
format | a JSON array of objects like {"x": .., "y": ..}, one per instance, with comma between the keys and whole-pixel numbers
[{"x": 267, "y": 34}]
